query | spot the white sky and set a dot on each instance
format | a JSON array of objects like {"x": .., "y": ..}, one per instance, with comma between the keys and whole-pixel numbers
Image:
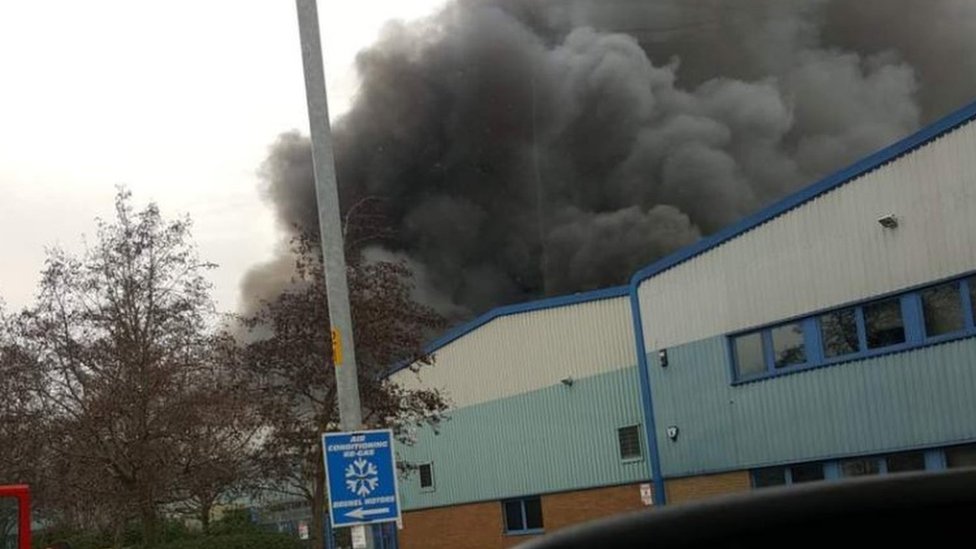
[{"x": 176, "y": 99}]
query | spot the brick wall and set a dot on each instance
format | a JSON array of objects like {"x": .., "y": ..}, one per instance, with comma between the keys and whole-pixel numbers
[
  {"x": 480, "y": 525},
  {"x": 566, "y": 508},
  {"x": 694, "y": 488},
  {"x": 473, "y": 526}
]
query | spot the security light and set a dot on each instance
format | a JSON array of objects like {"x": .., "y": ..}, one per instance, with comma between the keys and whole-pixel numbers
[
  {"x": 889, "y": 221},
  {"x": 662, "y": 358},
  {"x": 568, "y": 381}
]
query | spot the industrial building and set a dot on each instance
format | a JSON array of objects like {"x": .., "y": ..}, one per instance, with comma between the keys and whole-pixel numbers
[
  {"x": 540, "y": 394},
  {"x": 829, "y": 335}
]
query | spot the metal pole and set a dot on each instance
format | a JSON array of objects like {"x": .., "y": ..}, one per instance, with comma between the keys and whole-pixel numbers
[{"x": 330, "y": 226}]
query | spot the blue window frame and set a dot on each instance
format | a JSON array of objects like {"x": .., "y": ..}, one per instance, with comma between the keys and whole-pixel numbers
[
  {"x": 904, "y": 462},
  {"x": 884, "y": 323},
  {"x": 750, "y": 354},
  {"x": 946, "y": 309},
  {"x": 888, "y": 464},
  {"x": 788, "y": 345},
  {"x": 927, "y": 315},
  {"x": 523, "y": 516},
  {"x": 840, "y": 332},
  {"x": 782, "y": 347}
]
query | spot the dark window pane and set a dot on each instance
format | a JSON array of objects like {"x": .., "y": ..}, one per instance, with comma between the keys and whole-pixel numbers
[
  {"x": 749, "y": 354},
  {"x": 911, "y": 461},
  {"x": 629, "y": 440},
  {"x": 884, "y": 324},
  {"x": 860, "y": 467},
  {"x": 426, "y": 475},
  {"x": 808, "y": 472},
  {"x": 788, "y": 347},
  {"x": 533, "y": 514},
  {"x": 774, "y": 476},
  {"x": 513, "y": 516},
  {"x": 839, "y": 332},
  {"x": 942, "y": 309},
  {"x": 961, "y": 456}
]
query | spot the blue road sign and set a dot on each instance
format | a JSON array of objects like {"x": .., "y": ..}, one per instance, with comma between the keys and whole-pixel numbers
[{"x": 360, "y": 473}]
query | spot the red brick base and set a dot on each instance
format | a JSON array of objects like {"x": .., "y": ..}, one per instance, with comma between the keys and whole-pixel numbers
[
  {"x": 479, "y": 525},
  {"x": 681, "y": 490}
]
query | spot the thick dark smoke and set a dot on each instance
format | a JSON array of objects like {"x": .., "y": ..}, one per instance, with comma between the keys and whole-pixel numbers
[{"x": 523, "y": 148}]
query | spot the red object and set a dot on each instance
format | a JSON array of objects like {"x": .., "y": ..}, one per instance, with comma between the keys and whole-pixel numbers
[{"x": 22, "y": 494}]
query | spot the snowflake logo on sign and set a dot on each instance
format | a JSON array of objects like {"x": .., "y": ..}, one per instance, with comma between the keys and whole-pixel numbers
[{"x": 361, "y": 477}]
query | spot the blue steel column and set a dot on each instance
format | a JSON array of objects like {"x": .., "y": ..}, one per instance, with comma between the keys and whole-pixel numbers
[{"x": 650, "y": 427}]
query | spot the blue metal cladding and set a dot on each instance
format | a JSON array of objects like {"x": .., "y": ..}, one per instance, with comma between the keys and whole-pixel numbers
[
  {"x": 918, "y": 398},
  {"x": 550, "y": 440}
]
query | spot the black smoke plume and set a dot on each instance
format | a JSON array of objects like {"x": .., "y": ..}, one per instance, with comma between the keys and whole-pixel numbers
[{"x": 522, "y": 148}]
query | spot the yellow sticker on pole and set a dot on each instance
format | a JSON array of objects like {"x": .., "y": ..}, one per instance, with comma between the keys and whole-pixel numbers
[{"x": 336, "y": 347}]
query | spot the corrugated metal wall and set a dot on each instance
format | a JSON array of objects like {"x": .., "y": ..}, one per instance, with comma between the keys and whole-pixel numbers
[
  {"x": 916, "y": 398},
  {"x": 528, "y": 351},
  {"x": 553, "y": 439},
  {"x": 828, "y": 251}
]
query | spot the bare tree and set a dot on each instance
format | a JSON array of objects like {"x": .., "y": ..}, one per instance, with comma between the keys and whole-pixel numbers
[
  {"x": 219, "y": 446},
  {"x": 22, "y": 423},
  {"x": 118, "y": 335},
  {"x": 292, "y": 365}
]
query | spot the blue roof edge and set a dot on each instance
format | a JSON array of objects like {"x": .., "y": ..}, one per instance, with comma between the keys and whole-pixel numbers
[
  {"x": 838, "y": 179},
  {"x": 516, "y": 308}
]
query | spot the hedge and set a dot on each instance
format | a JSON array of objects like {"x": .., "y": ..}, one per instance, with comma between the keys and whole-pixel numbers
[{"x": 249, "y": 540}]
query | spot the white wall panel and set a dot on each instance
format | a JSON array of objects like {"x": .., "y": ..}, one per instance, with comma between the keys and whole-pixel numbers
[
  {"x": 531, "y": 350},
  {"x": 829, "y": 251}
]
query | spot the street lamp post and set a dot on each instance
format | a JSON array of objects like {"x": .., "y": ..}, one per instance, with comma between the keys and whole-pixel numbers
[{"x": 330, "y": 226}]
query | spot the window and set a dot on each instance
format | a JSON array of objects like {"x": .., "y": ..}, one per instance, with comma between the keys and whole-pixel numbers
[
  {"x": 533, "y": 513},
  {"x": 883, "y": 324},
  {"x": 794, "y": 474},
  {"x": 890, "y": 464},
  {"x": 860, "y": 467},
  {"x": 788, "y": 347},
  {"x": 839, "y": 333},
  {"x": 629, "y": 441},
  {"x": 514, "y": 521},
  {"x": 749, "y": 354},
  {"x": 942, "y": 309},
  {"x": 426, "y": 471},
  {"x": 523, "y": 516},
  {"x": 902, "y": 463},
  {"x": 961, "y": 456},
  {"x": 807, "y": 472},
  {"x": 773, "y": 476}
]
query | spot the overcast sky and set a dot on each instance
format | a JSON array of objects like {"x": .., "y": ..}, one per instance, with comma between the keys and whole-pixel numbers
[{"x": 177, "y": 100}]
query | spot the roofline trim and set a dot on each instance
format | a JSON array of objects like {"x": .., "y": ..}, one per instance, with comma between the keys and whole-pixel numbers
[
  {"x": 514, "y": 309},
  {"x": 838, "y": 179}
]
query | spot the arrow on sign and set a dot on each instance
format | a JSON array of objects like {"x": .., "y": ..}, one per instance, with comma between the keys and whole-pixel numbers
[{"x": 361, "y": 513}]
